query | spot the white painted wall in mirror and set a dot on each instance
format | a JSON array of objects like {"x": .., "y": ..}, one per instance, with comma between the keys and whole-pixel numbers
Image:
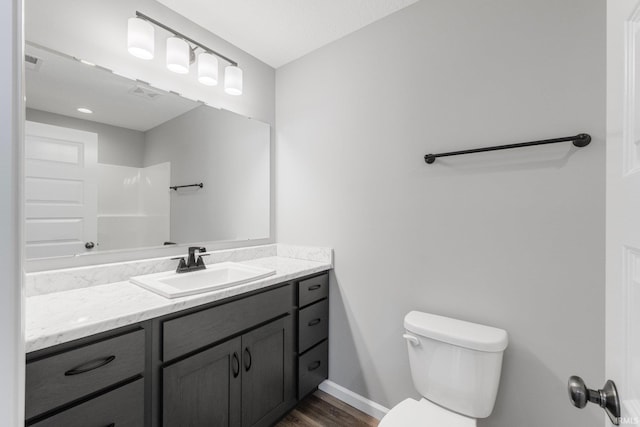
[{"x": 228, "y": 153}]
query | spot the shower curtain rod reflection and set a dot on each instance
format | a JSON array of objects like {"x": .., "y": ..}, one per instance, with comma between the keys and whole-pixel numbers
[
  {"x": 580, "y": 140},
  {"x": 175, "y": 187}
]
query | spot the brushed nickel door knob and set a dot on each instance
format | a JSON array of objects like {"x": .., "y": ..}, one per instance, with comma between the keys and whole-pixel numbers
[{"x": 606, "y": 398}]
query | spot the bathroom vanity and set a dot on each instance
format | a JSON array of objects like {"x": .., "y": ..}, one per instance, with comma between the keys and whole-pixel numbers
[{"x": 243, "y": 358}]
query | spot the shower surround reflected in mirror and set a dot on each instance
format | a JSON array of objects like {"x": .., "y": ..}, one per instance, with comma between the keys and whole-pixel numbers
[{"x": 102, "y": 151}]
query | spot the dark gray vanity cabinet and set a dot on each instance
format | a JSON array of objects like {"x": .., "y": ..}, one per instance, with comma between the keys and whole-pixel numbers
[
  {"x": 244, "y": 361},
  {"x": 246, "y": 381},
  {"x": 228, "y": 364}
]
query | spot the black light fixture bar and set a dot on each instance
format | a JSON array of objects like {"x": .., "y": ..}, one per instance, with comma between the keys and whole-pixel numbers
[
  {"x": 182, "y": 36},
  {"x": 580, "y": 140}
]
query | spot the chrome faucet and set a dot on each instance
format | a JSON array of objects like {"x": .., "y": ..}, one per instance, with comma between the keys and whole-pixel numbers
[{"x": 192, "y": 264}]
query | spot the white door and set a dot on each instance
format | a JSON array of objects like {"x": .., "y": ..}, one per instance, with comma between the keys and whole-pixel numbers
[
  {"x": 60, "y": 190},
  {"x": 623, "y": 205}
]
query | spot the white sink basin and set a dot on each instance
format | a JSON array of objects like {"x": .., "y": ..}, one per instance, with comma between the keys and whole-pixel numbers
[{"x": 170, "y": 284}]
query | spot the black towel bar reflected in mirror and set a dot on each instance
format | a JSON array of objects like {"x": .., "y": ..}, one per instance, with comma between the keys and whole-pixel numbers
[
  {"x": 580, "y": 140},
  {"x": 175, "y": 187}
]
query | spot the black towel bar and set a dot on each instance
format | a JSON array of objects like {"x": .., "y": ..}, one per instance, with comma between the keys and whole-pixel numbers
[
  {"x": 580, "y": 140},
  {"x": 175, "y": 187}
]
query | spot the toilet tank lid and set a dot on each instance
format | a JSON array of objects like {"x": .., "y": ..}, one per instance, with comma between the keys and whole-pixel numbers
[{"x": 457, "y": 332}]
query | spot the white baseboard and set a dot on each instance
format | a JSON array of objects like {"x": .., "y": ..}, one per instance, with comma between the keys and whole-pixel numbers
[{"x": 363, "y": 404}]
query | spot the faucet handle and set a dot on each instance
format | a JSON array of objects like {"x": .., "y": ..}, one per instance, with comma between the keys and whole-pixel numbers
[
  {"x": 200, "y": 261},
  {"x": 182, "y": 264}
]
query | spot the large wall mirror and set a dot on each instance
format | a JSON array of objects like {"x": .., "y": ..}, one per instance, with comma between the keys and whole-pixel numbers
[{"x": 102, "y": 153}]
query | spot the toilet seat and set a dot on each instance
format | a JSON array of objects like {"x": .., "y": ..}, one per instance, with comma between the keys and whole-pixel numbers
[{"x": 413, "y": 413}]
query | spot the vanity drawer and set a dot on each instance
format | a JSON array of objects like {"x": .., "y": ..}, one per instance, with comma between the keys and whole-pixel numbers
[
  {"x": 313, "y": 325},
  {"x": 193, "y": 331},
  {"x": 313, "y": 368},
  {"x": 64, "y": 377},
  {"x": 313, "y": 289},
  {"x": 122, "y": 407}
]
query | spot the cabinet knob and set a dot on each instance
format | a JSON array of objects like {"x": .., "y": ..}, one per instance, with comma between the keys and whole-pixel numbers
[{"x": 89, "y": 245}]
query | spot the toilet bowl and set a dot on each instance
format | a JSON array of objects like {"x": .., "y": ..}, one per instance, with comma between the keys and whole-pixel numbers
[
  {"x": 455, "y": 366},
  {"x": 423, "y": 413}
]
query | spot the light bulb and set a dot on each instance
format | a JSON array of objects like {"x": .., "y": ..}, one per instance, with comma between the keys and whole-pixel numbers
[
  {"x": 207, "y": 69},
  {"x": 178, "y": 55},
  {"x": 233, "y": 80},
  {"x": 140, "y": 38}
]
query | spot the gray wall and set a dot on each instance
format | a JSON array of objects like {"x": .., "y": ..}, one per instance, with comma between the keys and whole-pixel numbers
[
  {"x": 230, "y": 155},
  {"x": 116, "y": 145},
  {"x": 512, "y": 239}
]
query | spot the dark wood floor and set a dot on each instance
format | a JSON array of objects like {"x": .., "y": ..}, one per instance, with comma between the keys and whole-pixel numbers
[{"x": 323, "y": 410}]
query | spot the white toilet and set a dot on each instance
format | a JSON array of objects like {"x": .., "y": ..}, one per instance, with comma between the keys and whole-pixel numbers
[{"x": 456, "y": 368}]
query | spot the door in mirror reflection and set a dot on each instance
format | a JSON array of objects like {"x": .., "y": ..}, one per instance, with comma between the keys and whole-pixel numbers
[{"x": 60, "y": 190}]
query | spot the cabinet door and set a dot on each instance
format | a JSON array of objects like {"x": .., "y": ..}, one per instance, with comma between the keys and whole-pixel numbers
[
  {"x": 267, "y": 377},
  {"x": 204, "y": 389}
]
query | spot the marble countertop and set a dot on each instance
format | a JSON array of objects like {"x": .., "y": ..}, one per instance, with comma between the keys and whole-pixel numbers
[{"x": 60, "y": 317}]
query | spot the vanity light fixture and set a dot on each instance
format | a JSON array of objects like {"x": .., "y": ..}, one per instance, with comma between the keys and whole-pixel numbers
[
  {"x": 181, "y": 53},
  {"x": 85, "y": 110}
]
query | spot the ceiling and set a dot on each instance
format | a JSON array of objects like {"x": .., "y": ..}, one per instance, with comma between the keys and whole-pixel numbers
[
  {"x": 279, "y": 31},
  {"x": 60, "y": 85}
]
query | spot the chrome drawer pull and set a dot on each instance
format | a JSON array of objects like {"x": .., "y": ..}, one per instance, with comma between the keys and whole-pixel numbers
[
  {"x": 314, "y": 287},
  {"x": 90, "y": 366},
  {"x": 313, "y": 366},
  {"x": 314, "y": 322}
]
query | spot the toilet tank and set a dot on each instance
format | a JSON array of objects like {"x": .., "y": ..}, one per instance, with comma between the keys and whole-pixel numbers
[{"x": 455, "y": 364}]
